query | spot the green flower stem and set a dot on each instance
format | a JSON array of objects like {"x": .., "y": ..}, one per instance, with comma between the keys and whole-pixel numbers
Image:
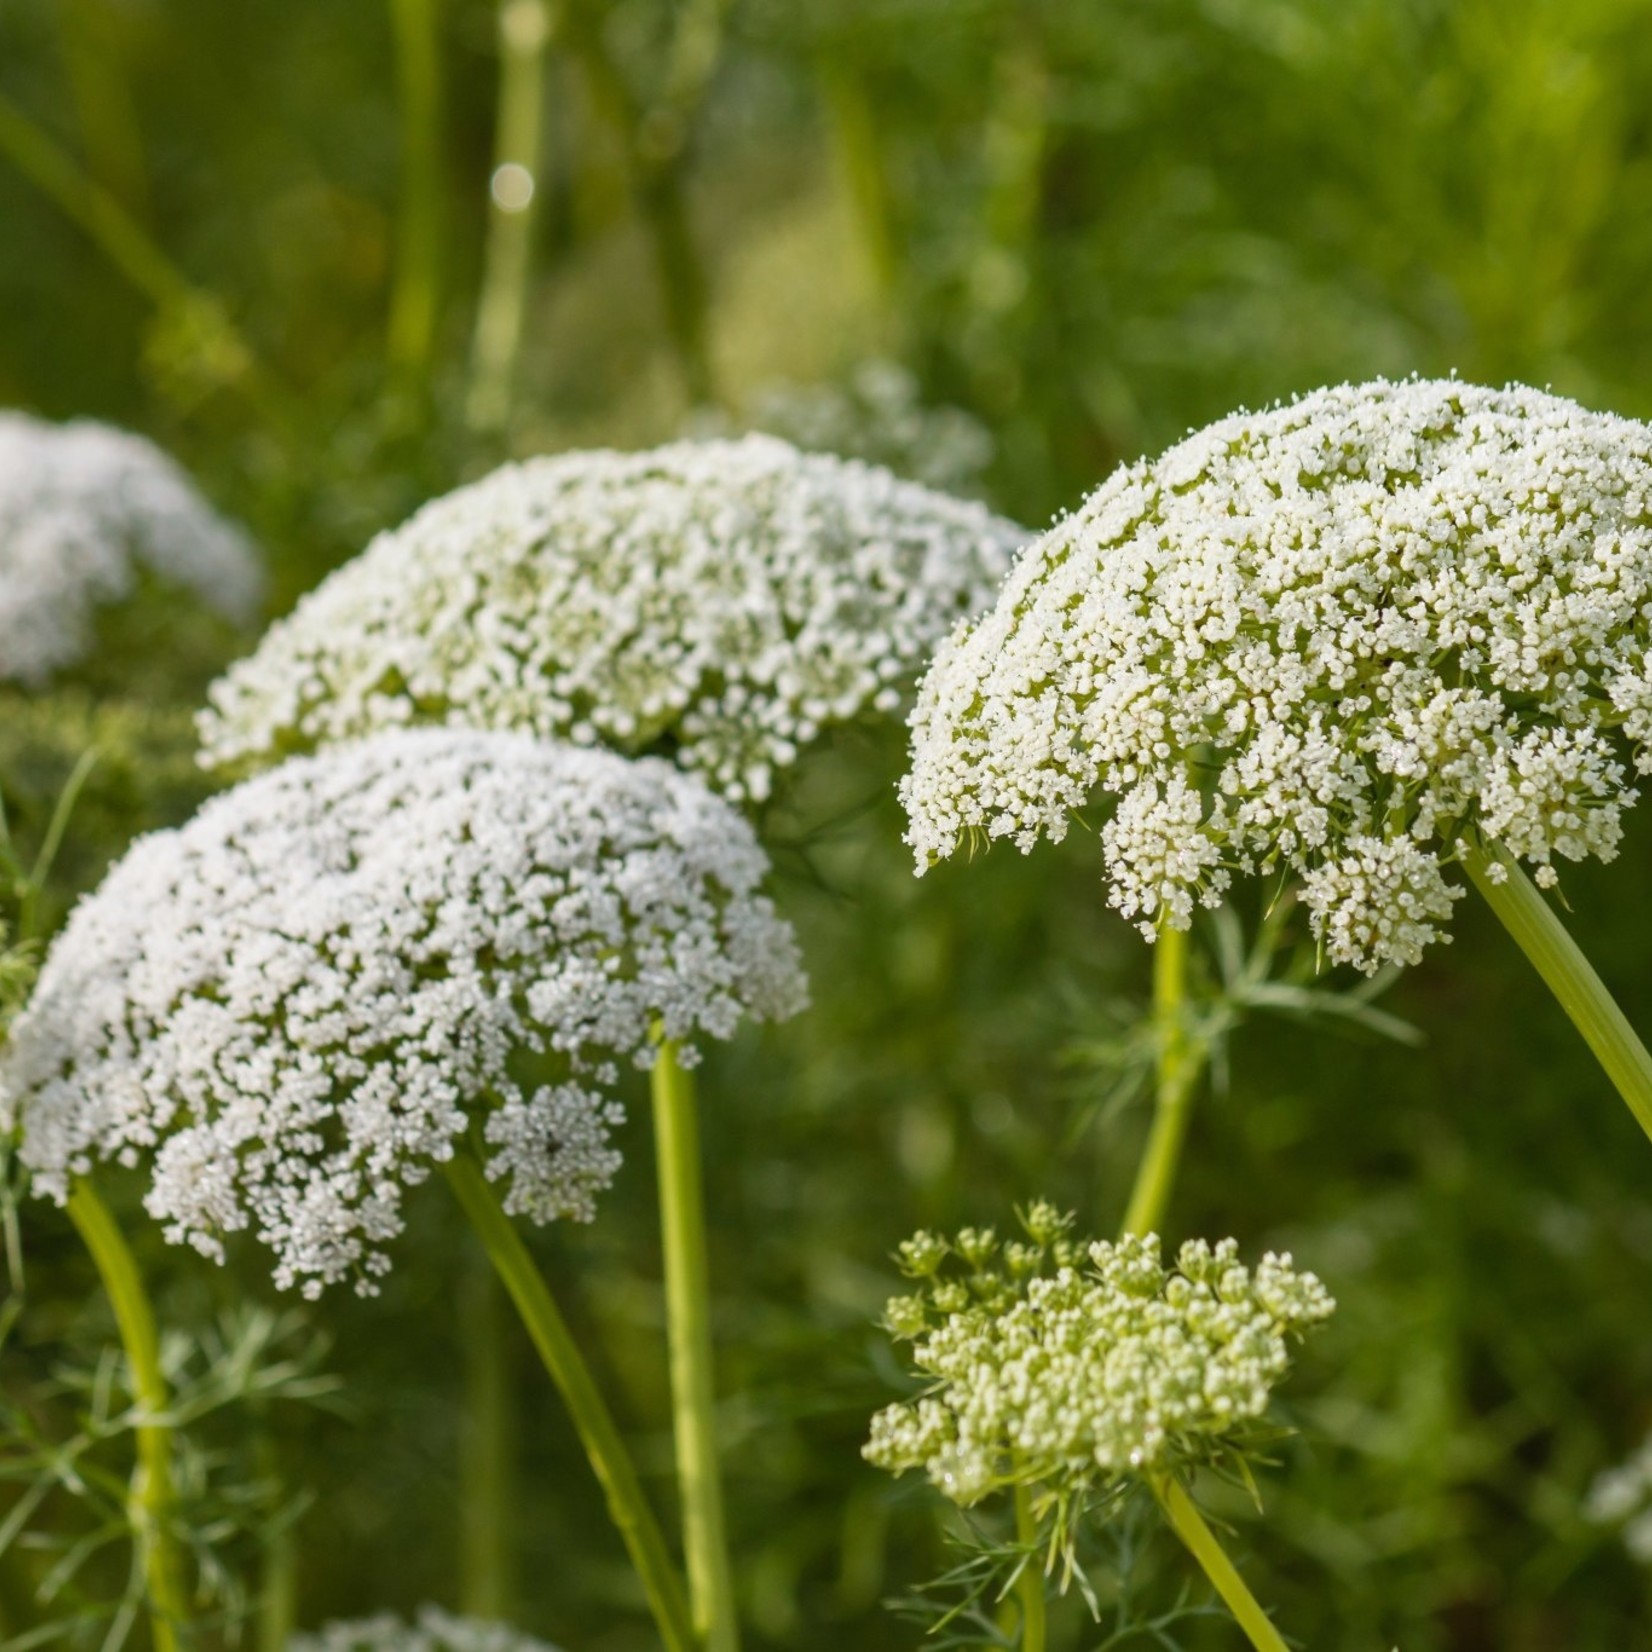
[
  {"x": 1569, "y": 976},
  {"x": 688, "y": 1320},
  {"x": 1030, "y": 1585},
  {"x": 414, "y": 297},
  {"x": 599, "y": 1434},
  {"x": 487, "y": 1450},
  {"x": 1190, "y": 1527},
  {"x": 1179, "y": 1062},
  {"x": 150, "y": 1505},
  {"x": 507, "y": 258}
]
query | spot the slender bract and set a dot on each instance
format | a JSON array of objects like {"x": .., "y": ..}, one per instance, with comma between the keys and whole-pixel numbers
[
  {"x": 598, "y": 1433},
  {"x": 1568, "y": 975},
  {"x": 151, "y": 1504},
  {"x": 1201, "y": 1541},
  {"x": 688, "y": 1319}
]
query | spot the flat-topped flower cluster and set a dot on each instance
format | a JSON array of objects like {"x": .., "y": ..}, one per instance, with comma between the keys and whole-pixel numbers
[
  {"x": 433, "y": 1630},
  {"x": 85, "y": 512},
  {"x": 1342, "y": 637},
  {"x": 1065, "y": 1366},
  {"x": 300, "y": 1000},
  {"x": 720, "y": 601}
]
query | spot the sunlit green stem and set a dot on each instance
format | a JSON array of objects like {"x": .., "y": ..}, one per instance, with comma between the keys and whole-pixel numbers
[
  {"x": 1029, "y": 1587},
  {"x": 1568, "y": 975},
  {"x": 91, "y": 36},
  {"x": 278, "y": 1591},
  {"x": 507, "y": 262},
  {"x": 129, "y": 247},
  {"x": 688, "y": 1321},
  {"x": 414, "y": 297},
  {"x": 598, "y": 1433},
  {"x": 1190, "y": 1527},
  {"x": 861, "y": 162},
  {"x": 487, "y": 1446},
  {"x": 151, "y": 1500},
  {"x": 1178, "y": 1063}
]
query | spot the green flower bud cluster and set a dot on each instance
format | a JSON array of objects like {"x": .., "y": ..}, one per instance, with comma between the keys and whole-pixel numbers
[{"x": 1070, "y": 1365}]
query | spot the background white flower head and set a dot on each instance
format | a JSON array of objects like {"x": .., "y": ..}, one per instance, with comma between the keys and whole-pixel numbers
[
  {"x": 1337, "y": 637},
  {"x": 722, "y": 600},
  {"x": 85, "y": 512},
  {"x": 303, "y": 998},
  {"x": 432, "y": 1631}
]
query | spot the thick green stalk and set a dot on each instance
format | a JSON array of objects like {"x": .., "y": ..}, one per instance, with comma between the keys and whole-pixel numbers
[
  {"x": 487, "y": 1449},
  {"x": 151, "y": 1500},
  {"x": 688, "y": 1321},
  {"x": 1030, "y": 1585},
  {"x": 1178, "y": 1064},
  {"x": 1540, "y": 934},
  {"x": 507, "y": 259},
  {"x": 417, "y": 289},
  {"x": 1190, "y": 1527},
  {"x": 598, "y": 1432}
]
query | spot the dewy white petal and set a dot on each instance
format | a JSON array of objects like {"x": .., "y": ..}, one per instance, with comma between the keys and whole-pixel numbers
[
  {"x": 725, "y": 599},
  {"x": 1338, "y": 638},
  {"x": 299, "y": 1002},
  {"x": 83, "y": 509},
  {"x": 432, "y": 1631}
]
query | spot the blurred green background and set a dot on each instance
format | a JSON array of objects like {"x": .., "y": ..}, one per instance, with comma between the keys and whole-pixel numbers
[{"x": 261, "y": 234}]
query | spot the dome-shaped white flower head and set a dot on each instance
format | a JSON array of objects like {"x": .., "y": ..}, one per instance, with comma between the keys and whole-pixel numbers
[
  {"x": 301, "y": 1000},
  {"x": 1065, "y": 1366},
  {"x": 718, "y": 601},
  {"x": 86, "y": 513},
  {"x": 1341, "y": 637},
  {"x": 433, "y": 1630}
]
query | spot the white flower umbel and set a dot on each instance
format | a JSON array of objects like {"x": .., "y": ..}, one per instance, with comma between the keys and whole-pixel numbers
[
  {"x": 720, "y": 601},
  {"x": 432, "y": 1631},
  {"x": 85, "y": 512},
  {"x": 1343, "y": 638},
  {"x": 301, "y": 1000},
  {"x": 1063, "y": 1368}
]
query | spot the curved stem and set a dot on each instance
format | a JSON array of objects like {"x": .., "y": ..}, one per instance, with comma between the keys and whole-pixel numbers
[
  {"x": 1189, "y": 1525},
  {"x": 1030, "y": 1585},
  {"x": 150, "y": 1504},
  {"x": 1178, "y": 1062},
  {"x": 598, "y": 1433},
  {"x": 507, "y": 259},
  {"x": 1540, "y": 934},
  {"x": 413, "y": 298},
  {"x": 688, "y": 1321}
]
